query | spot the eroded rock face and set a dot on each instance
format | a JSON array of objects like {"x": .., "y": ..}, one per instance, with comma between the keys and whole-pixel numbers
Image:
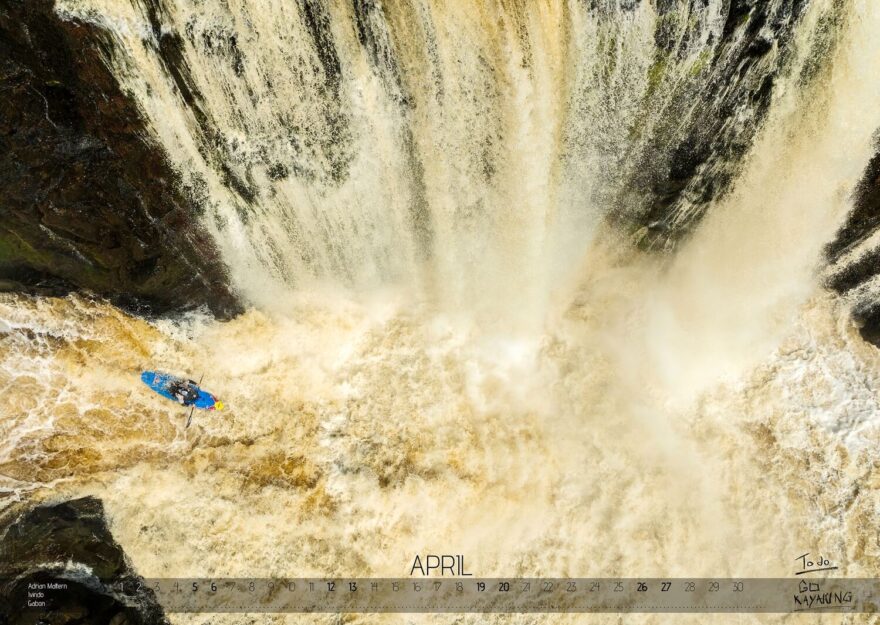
[
  {"x": 70, "y": 543},
  {"x": 696, "y": 152},
  {"x": 856, "y": 262},
  {"x": 88, "y": 199}
]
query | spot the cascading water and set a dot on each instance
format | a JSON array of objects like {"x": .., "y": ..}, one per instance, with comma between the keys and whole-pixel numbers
[
  {"x": 437, "y": 213},
  {"x": 463, "y": 152}
]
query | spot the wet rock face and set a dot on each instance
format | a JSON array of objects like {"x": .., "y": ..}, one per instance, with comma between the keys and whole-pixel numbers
[
  {"x": 696, "y": 152},
  {"x": 89, "y": 200},
  {"x": 69, "y": 543},
  {"x": 855, "y": 262}
]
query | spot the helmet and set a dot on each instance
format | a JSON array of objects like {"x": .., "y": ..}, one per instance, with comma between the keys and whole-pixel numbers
[{"x": 218, "y": 405}]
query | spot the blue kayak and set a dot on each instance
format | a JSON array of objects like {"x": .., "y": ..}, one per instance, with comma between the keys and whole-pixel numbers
[{"x": 181, "y": 390}]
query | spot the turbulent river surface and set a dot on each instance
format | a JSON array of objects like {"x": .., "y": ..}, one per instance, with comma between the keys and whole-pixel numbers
[{"x": 453, "y": 342}]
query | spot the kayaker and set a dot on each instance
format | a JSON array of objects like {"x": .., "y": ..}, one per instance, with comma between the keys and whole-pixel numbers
[{"x": 183, "y": 393}]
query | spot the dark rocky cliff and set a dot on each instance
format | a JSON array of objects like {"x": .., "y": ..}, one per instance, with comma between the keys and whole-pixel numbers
[
  {"x": 89, "y": 200},
  {"x": 854, "y": 268},
  {"x": 711, "y": 117},
  {"x": 70, "y": 543}
]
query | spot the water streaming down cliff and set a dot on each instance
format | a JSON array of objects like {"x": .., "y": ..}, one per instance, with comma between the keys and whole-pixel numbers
[
  {"x": 434, "y": 209},
  {"x": 464, "y": 152}
]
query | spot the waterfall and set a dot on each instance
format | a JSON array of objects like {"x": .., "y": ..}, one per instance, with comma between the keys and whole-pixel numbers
[{"x": 466, "y": 154}]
